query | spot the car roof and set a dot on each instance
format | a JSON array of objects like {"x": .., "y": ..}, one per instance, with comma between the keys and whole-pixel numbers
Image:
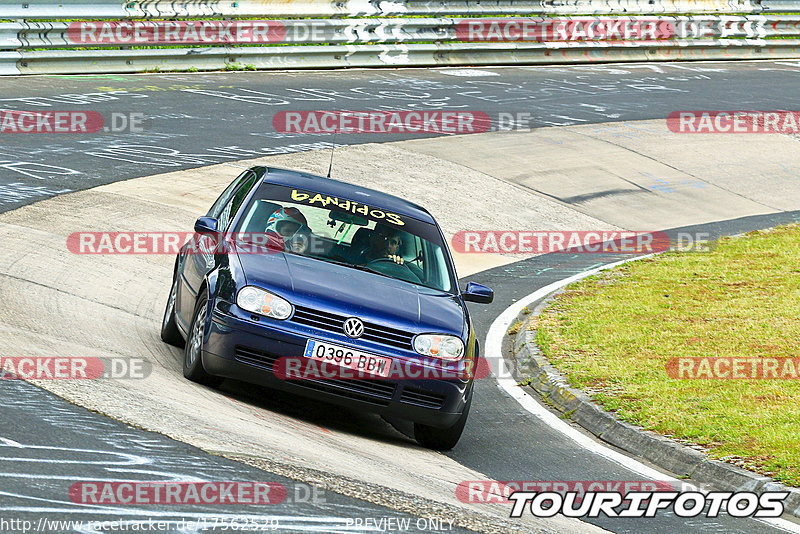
[{"x": 335, "y": 188}]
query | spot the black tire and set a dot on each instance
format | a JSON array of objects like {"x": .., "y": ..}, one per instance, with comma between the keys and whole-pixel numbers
[
  {"x": 169, "y": 330},
  {"x": 442, "y": 439},
  {"x": 193, "y": 354}
]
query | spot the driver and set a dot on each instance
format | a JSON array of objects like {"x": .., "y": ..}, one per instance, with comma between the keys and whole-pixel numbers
[
  {"x": 290, "y": 228},
  {"x": 384, "y": 242}
]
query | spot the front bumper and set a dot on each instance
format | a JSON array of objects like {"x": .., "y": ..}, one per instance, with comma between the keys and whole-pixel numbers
[{"x": 246, "y": 351}]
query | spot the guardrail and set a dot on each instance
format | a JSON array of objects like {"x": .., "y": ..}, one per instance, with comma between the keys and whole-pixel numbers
[
  {"x": 75, "y": 9},
  {"x": 386, "y": 31},
  {"x": 449, "y": 33}
]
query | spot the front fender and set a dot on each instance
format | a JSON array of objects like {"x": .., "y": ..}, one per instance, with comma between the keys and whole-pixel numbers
[
  {"x": 210, "y": 284},
  {"x": 223, "y": 282}
]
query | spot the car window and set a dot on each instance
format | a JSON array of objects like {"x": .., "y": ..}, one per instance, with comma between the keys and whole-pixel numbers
[
  {"x": 226, "y": 195},
  {"x": 350, "y": 233},
  {"x": 232, "y": 206}
]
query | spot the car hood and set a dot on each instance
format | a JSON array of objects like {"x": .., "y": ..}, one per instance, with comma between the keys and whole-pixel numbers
[{"x": 346, "y": 291}]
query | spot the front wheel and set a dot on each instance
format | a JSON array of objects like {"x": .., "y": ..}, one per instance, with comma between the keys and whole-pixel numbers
[
  {"x": 442, "y": 439},
  {"x": 169, "y": 330},
  {"x": 193, "y": 354}
]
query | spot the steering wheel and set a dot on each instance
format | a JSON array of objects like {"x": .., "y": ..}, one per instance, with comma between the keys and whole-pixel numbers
[{"x": 389, "y": 267}]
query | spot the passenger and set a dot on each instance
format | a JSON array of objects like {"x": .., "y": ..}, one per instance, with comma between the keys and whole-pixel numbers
[{"x": 290, "y": 229}]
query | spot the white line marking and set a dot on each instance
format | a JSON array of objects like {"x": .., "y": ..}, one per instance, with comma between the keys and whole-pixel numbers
[
  {"x": 466, "y": 73},
  {"x": 494, "y": 342},
  {"x": 168, "y": 477},
  {"x": 123, "y": 458}
]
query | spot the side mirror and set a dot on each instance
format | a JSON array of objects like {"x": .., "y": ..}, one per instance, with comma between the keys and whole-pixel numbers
[
  {"x": 478, "y": 293},
  {"x": 205, "y": 225}
]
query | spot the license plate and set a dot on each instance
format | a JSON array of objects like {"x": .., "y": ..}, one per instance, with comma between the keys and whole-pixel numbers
[{"x": 348, "y": 358}]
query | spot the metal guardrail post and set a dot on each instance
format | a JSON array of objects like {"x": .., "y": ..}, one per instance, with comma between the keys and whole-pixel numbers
[{"x": 8, "y": 63}]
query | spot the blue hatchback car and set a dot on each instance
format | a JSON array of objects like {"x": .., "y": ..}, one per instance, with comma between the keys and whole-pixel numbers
[{"x": 335, "y": 277}]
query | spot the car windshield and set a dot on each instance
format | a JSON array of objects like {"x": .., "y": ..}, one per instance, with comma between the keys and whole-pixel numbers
[{"x": 349, "y": 233}]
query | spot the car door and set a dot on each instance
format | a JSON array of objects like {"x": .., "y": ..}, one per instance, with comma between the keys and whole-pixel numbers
[{"x": 194, "y": 263}]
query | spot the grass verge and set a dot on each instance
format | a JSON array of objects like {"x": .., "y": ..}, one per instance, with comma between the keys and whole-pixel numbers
[{"x": 612, "y": 335}]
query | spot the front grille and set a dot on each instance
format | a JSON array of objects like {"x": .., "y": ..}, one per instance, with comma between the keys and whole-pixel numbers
[
  {"x": 254, "y": 357},
  {"x": 421, "y": 397},
  {"x": 335, "y": 323},
  {"x": 373, "y": 391},
  {"x": 376, "y": 392}
]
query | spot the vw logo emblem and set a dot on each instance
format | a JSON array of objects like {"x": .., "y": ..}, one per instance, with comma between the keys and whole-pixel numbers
[{"x": 353, "y": 327}]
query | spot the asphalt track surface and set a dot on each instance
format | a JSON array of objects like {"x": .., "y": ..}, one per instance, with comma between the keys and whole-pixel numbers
[
  {"x": 193, "y": 120},
  {"x": 210, "y": 126},
  {"x": 48, "y": 445}
]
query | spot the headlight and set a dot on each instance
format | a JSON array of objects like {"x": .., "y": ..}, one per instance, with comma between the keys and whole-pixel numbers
[
  {"x": 262, "y": 302},
  {"x": 439, "y": 346}
]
